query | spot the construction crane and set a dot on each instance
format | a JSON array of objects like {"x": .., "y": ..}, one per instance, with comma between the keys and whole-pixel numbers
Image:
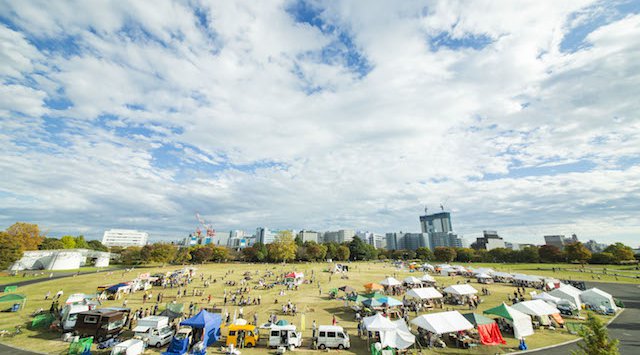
[{"x": 208, "y": 227}]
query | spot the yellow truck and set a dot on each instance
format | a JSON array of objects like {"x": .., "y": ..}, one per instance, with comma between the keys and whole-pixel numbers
[{"x": 238, "y": 334}]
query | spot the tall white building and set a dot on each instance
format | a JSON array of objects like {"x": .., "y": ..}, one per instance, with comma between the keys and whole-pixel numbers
[
  {"x": 341, "y": 236},
  {"x": 124, "y": 238},
  {"x": 309, "y": 236}
]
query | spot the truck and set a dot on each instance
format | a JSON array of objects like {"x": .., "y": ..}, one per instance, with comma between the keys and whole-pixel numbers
[
  {"x": 101, "y": 324},
  {"x": 155, "y": 330}
]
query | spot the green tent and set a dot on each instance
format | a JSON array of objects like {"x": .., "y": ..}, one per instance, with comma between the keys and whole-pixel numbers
[
  {"x": 357, "y": 298},
  {"x": 500, "y": 310},
  {"x": 42, "y": 320},
  {"x": 14, "y": 298},
  {"x": 176, "y": 307},
  {"x": 8, "y": 289},
  {"x": 374, "y": 295},
  {"x": 372, "y": 302},
  {"x": 477, "y": 319}
]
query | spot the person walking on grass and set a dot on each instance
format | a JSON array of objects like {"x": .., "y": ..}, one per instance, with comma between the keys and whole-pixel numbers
[{"x": 333, "y": 320}]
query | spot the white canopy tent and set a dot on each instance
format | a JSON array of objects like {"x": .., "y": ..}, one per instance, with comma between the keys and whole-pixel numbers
[
  {"x": 427, "y": 278},
  {"x": 535, "y": 308},
  {"x": 483, "y": 276},
  {"x": 526, "y": 278},
  {"x": 547, "y": 298},
  {"x": 460, "y": 290},
  {"x": 392, "y": 334},
  {"x": 428, "y": 267},
  {"x": 504, "y": 275},
  {"x": 377, "y": 323},
  {"x": 597, "y": 298},
  {"x": 569, "y": 293},
  {"x": 521, "y": 322},
  {"x": 443, "y": 322},
  {"x": 403, "y": 338},
  {"x": 423, "y": 293},
  {"x": 412, "y": 281},
  {"x": 390, "y": 281}
]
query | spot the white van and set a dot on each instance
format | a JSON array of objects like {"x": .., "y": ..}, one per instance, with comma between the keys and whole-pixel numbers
[
  {"x": 155, "y": 330},
  {"x": 70, "y": 315},
  {"x": 284, "y": 335},
  {"x": 332, "y": 336}
]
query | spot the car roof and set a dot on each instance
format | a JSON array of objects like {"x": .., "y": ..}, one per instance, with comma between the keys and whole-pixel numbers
[{"x": 336, "y": 328}]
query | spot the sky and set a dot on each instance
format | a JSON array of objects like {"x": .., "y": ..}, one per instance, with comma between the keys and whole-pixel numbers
[{"x": 517, "y": 116}]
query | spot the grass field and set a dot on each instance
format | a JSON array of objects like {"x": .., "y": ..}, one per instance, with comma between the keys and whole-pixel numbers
[
  {"x": 307, "y": 298},
  {"x": 7, "y": 279}
]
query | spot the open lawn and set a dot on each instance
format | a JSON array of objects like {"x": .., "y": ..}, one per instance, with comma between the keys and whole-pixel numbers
[
  {"x": 308, "y": 299},
  {"x": 7, "y": 279}
]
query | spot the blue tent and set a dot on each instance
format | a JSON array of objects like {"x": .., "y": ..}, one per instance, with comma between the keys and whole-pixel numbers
[
  {"x": 114, "y": 288},
  {"x": 208, "y": 322}
]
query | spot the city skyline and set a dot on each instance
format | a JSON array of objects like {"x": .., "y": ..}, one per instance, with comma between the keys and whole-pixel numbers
[{"x": 516, "y": 117}]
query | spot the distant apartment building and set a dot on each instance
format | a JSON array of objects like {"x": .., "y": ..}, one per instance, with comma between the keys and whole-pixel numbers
[
  {"x": 309, "y": 236},
  {"x": 512, "y": 246},
  {"x": 340, "y": 236},
  {"x": 559, "y": 241},
  {"x": 445, "y": 240},
  {"x": 124, "y": 238},
  {"x": 489, "y": 240},
  {"x": 408, "y": 241}
]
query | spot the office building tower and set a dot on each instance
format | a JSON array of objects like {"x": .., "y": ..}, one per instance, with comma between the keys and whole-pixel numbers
[{"x": 124, "y": 238}]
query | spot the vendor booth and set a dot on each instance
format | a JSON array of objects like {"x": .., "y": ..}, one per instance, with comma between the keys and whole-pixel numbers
[
  {"x": 516, "y": 321},
  {"x": 487, "y": 329},
  {"x": 205, "y": 329},
  {"x": 422, "y": 294},
  {"x": 569, "y": 293},
  {"x": 598, "y": 300},
  {"x": 294, "y": 278},
  {"x": 538, "y": 309}
]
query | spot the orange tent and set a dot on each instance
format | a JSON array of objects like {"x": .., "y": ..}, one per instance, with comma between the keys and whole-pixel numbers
[{"x": 372, "y": 286}]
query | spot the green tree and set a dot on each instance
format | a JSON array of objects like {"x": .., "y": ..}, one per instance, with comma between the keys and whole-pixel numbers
[
  {"x": 51, "y": 244},
  {"x": 551, "y": 254},
  {"x": 577, "y": 252},
  {"x": 603, "y": 258},
  {"x": 527, "y": 255},
  {"x": 464, "y": 254},
  {"x": 332, "y": 250},
  {"x": 620, "y": 251},
  {"x": 298, "y": 240},
  {"x": 163, "y": 253},
  {"x": 131, "y": 256},
  {"x": 183, "y": 256},
  {"x": 283, "y": 248},
  {"x": 342, "y": 253},
  {"x": 424, "y": 254},
  {"x": 446, "y": 254},
  {"x": 219, "y": 253},
  {"x": 97, "y": 245},
  {"x": 595, "y": 338},
  {"x": 358, "y": 249},
  {"x": 81, "y": 243},
  {"x": 68, "y": 241},
  {"x": 10, "y": 250},
  {"x": 500, "y": 255},
  {"x": 27, "y": 234},
  {"x": 315, "y": 251},
  {"x": 200, "y": 254}
]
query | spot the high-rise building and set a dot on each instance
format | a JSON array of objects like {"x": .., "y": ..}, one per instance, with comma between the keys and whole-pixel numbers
[
  {"x": 377, "y": 240},
  {"x": 436, "y": 223},
  {"x": 340, "y": 236},
  {"x": 408, "y": 241},
  {"x": 557, "y": 241},
  {"x": 124, "y": 238},
  {"x": 309, "y": 236},
  {"x": 489, "y": 240},
  {"x": 440, "y": 231},
  {"x": 595, "y": 247},
  {"x": 265, "y": 236}
]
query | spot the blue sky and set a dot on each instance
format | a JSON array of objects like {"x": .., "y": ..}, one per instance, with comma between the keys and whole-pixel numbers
[{"x": 322, "y": 115}]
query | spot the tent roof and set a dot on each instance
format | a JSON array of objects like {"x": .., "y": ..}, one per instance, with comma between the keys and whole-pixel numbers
[
  {"x": 547, "y": 297},
  {"x": 372, "y": 302},
  {"x": 390, "y": 281},
  {"x": 535, "y": 308},
  {"x": 528, "y": 278},
  {"x": 483, "y": 276},
  {"x": 203, "y": 319},
  {"x": 477, "y": 319},
  {"x": 569, "y": 290},
  {"x": 443, "y": 322},
  {"x": 12, "y": 297},
  {"x": 428, "y": 278},
  {"x": 390, "y": 301},
  {"x": 424, "y": 293},
  {"x": 507, "y": 312},
  {"x": 502, "y": 274},
  {"x": 463, "y": 289},
  {"x": 373, "y": 286},
  {"x": 411, "y": 280},
  {"x": 378, "y": 323},
  {"x": 598, "y": 292}
]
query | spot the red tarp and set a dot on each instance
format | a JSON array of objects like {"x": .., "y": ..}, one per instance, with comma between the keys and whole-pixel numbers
[{"x": 490, "y": 334}]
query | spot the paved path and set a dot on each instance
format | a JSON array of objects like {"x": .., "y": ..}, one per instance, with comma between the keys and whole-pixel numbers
[
  {"x": 626, "y": 327},
  {"x": 13, "y": 351}
]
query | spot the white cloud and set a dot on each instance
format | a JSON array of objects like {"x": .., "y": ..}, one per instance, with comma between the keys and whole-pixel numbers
[{"x": 271, "y": 134}]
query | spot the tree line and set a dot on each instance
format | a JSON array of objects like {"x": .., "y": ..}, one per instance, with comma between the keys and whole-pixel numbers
[{"x": 21, "y": 237}]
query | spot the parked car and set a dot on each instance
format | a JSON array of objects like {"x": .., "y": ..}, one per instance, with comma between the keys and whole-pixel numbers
[
  {"x": 101, "y": 324},
  {"x": 155, "y": 330},
  {"x": 284, "y": 335},
  {"x": 332, "y": 336}
]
